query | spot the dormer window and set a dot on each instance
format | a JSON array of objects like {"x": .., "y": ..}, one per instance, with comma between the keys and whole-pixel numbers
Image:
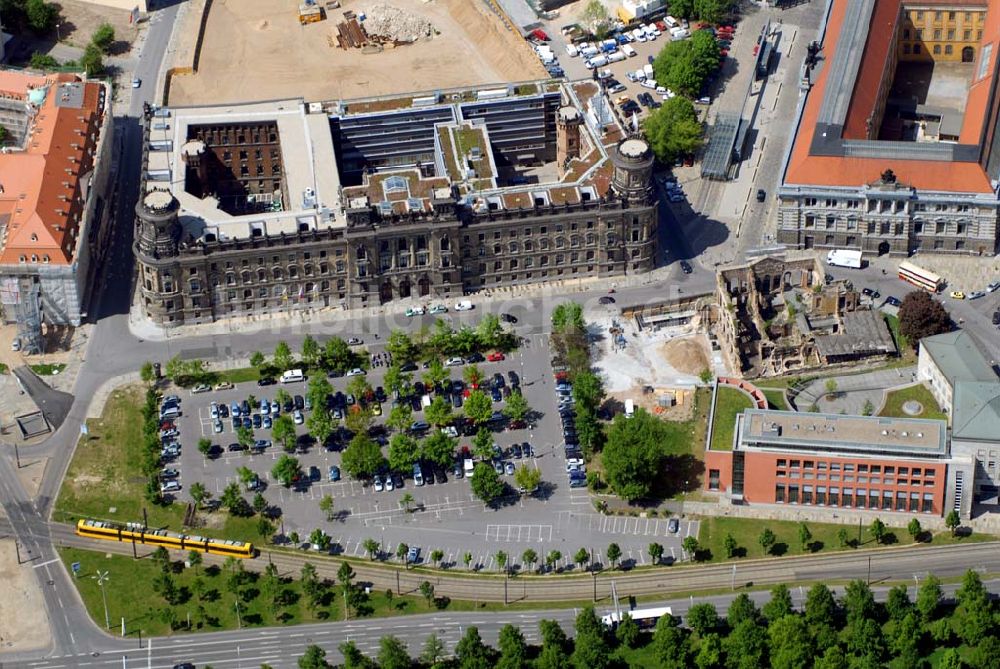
[
  {"x": 22, "y": 259},
  {"x": 34, "y": 258},
  {"x": 34, "y": 237},
  {"x": 45, "y": 258}
]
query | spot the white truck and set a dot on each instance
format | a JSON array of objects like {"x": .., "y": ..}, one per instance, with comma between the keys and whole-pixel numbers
[
  {"x": 844, "y": 258},
  {"x": 616, "y": 56},
  {"x": 648, "y": 69}
]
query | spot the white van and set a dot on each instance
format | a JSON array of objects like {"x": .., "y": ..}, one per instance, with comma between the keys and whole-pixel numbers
[
  {"x": 292, "y": 376},
  {"x": 671, "y": 21},
  {"x": 629, "y": 51},
  {"x": 425, "y": 401},
  {"x": 571, "y": 50},
  {"x": 629, "y": 408}
]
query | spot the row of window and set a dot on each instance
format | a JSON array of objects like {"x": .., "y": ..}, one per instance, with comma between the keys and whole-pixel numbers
[
  {"x": 919, "y": 15},
  {"x": 887, "y": 228},
  {"x": 857, "y": 498},
  {"x": 883, "y": 206},
  {"x": 575, "y": 241},
  {"x": 861, "y": 467},
  {"x": 916, "y": 50},
  {"x": 850, "y": 478},
  {"x": 918, "y": 34}
]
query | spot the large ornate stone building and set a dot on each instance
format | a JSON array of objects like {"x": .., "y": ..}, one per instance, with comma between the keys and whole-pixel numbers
[
  {"x": 882, "y": 165},
  {"x": 247, "y": 209}
]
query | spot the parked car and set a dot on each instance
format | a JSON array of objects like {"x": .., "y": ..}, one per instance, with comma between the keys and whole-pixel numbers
[
  {"x": 217, "y": 427},
  {"x": 413, "y": 555},
  {"x": 957, "y": 295},
  {"x": 419, "y": 426},
  {"x": 234, "y": 447},
  {"x": 975, "y": 295},
  {"x": 266, "y": 381},
  {"x": 170, "y": 486},
  {"x": 686, "y": 267},
  {"x": 354, "y": 341},
  {"x": 378, "y": 484},
  {"x": 169, "y": 474},
  {"x": 508, "y": 468},
  {"x": 357, "y": 371},
  {"x": 673, "y": 525},
  {"x": 464, "y": 305},
  {"x": 414, "y": 311},
  {"x": 454, "y": 362},
  {"x": 201, "y": 388}
]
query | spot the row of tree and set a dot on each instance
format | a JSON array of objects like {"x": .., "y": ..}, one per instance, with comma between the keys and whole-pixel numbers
[{"x": 827, "y": 633}]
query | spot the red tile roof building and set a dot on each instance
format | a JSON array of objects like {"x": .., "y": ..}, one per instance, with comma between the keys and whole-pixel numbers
[
  {"x": 850, "y": 180},
  {"x": 53, "y": 175}
]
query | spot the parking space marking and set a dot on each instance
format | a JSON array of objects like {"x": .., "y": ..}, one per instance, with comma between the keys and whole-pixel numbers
[{"x": 519, "y": 533}]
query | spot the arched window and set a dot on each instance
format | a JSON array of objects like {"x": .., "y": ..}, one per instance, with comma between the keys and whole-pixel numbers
[
  {"x": 293, "y": 271},
  {"x": 560, "y": 243},
  {"x": 245, "y": 276},
  {"x": 308, "y": 270},
  {"x": 278, "y": 274},
  {"x": 513, "y": 247},
  {"x": 261, "y": 276}
]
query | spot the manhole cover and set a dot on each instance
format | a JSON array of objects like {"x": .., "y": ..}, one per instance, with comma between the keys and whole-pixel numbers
[{"x": 913, "y": 408}]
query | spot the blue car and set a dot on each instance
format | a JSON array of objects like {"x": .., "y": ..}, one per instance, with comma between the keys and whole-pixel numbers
[
  {"x": 236, "y": 423},
  {"x": 247, "y": 423},
  {"x": 235, "y": 408},
  {"x": 267, "y": 423}
]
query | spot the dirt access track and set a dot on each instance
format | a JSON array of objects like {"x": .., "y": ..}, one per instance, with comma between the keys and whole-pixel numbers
[{"x": 257, "y": 50}]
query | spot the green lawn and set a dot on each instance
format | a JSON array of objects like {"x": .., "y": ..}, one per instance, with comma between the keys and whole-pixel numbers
[
  {"x": 729, "y": 403},
  {"x": 48, "y": 369},
  {"x": 775, "y": 399},
  {"x": 746, "y": 531},
  {"x": 3, "y": 368},
  {"x": 105, "y": 481},
  {"x": 130, "y": 594},
  {"x": 894, "y": 403},
  {"x": 241, "y": 375}
]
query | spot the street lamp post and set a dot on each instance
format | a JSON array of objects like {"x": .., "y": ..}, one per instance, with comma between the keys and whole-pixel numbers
[{"x": 102, "y": 577}]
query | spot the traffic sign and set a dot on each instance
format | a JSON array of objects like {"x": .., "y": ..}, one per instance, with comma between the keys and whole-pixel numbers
[{"x": 76, "y": 568}]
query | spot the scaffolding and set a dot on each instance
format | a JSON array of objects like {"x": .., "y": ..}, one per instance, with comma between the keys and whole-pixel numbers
[{"x": 22, "y": 299}]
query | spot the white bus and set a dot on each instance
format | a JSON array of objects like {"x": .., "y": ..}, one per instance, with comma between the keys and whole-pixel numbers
[
  {"x": 919, "y": 277},
  {"x": 646, "y": 619}
]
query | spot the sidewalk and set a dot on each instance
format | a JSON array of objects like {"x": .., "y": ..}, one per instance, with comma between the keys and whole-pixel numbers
[{"x": 853, "y": 391}]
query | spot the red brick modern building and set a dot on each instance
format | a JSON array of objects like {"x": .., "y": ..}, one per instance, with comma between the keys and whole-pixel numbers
[{"x": 837, "y": 462}]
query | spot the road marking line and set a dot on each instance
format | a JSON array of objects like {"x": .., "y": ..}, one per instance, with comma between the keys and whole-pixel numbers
[{"x": 42, "y": 564}]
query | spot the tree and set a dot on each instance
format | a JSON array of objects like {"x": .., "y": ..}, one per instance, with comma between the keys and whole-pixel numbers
[
  {"x": 805, "y": 536},
  {"x": 438, "y": 413},
  {"x": 552, "y": 558},
  {"x": 842, "y": 537},
  {"x": 362, "y": 458},
  {"x": 92, "y": 60},
  {"x": 671, "y": 645},
  {"x": 244, "y": 435},
  {"x": 436, "y": 373},
  {"x": 232, "y": 499},
  {"x": 320, "y": 424},
  {"x": 401, "y": 551},
  {"x": 439, "y": 448},
  {"x": 529, "y": 558},
  {"x": 313, "y": 658},
  {"x": 372, "y": 548},
  {"x": 513, "y": 649},
  {"x": 245, "y": 475},
  {"x": 820, "y": 605},
  {"x": 613, "y": 553},
  {"x": 405, "y": 501},
  {"x": 635, "y": 454},
  {"x": 471, "y": 652},
  {"x": 517, "y": 408},
  {"x": 897, "y": 603},
  {"x": 780, "y": 604},
  {"x": 319, "y": 539},
  {"x": 42, "y": 61},
  {"x": 952, "y": 521},
  {"x": 104, "y": 37},
  {"x": 467, "y": 559},
  {"x": 920, "y": 315},
  {"x": 486, "y": 484},
  {"x": 163, "y": 583},
  {"x": 877, "y": 529},
  {"x": 434, "y": 651},
  {"x": 595, "y": 17},
  {"x": 729, "y": 544},
  {"x": 400, "y": 418},
  {"x": 591, "y": 649},
  {"x": 588, "y": 429},
  {"x": 259, "y": 504},
  {"x": 337, "y": 355},
  {"x": 205, "y": 446},
  {"x": 392, "y": 654},
  {"x": 282, "y": 358},
  {"x": 709, "y": 652},
  {"x": 478, "y": 407},
  {"x": 396, "y": 380},
  {"x": 914, "y": 529},
  {"x": 501, "y": 558},
  {"x": 198, "y": 493},
  {"x": 527, "y": 478},
  {"x": 401, "y": 347},
  {"x": 161, "y": 558},
  {"x": 831, "y": 388},
  {"x": 588, "y": 391},
  {"x": 194, "y": 559},
  {"x": 404, "y": 450},
  {"x": 711, "y": 11},
  {"x": 489, "y": 331},
  {"x": 258, "y": 361},
  {"x": 554, "y": 653},
  {"x": 690, "y": 546},
  {"x": 41, "y": 15},
  {"x": 353, "y": 657},
  {"x": 859, "y": 602},
  {"x": 929, "y": 598},
  {"x": 286, "y": 470},
  {"x": 326, "y": 506},
  {"x": 319, "y": 390},
  {"x": 283, "y": 432},
  {"x": 436, "y": 556},
  {"x": 673, "y": 130},
  {"x": 766, "y": 540},
  {"x": 482, "y": 444},
  {"x": 868, "y": 408},
  {"x": 310, "y": 352},
  {"x": 703, "y": 619},
  {"x": 146, "y": 372},
  {"x": 581, "y": 557},
  {"x": 790, "y": 645}
]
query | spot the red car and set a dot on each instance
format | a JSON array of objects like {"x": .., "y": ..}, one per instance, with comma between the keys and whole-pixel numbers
[
  {"x": 538, "y": 33},
  {"x": 495, "y": 357},
  {"x": 662, "y": 26}
]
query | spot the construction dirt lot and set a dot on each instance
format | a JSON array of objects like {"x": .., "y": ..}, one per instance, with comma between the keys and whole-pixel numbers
[
  {"x": 23, "y": 623},
  {"x": 257, "y": 50}
]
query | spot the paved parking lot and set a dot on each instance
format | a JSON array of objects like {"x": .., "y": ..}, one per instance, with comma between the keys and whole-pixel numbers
[{"x": 446, "y": 515}]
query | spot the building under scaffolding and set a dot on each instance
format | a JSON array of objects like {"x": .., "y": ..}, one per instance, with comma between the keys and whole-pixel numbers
[{"x": 21, "y": 302}]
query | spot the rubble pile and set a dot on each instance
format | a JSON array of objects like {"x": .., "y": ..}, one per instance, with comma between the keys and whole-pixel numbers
[{"x": 397, "y": 25}]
